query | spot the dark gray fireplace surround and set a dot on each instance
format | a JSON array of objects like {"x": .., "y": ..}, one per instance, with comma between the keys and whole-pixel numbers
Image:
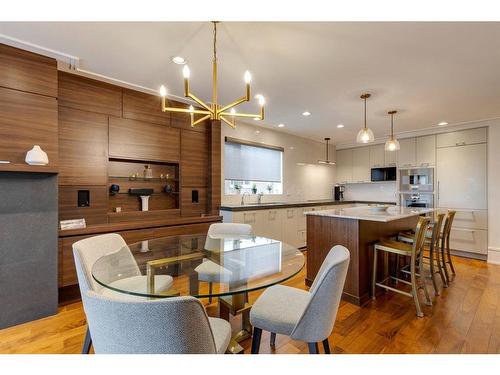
[{"x": 28, "y": 247}]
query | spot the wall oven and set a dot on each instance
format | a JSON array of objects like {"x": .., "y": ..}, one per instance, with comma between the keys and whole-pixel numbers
[
  {"x": 425, "y": 200},
  {"x": 416, "y": 180}
]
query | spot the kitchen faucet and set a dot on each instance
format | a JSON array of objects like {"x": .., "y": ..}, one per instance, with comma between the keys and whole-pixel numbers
[{"x": 243, "y": 197}]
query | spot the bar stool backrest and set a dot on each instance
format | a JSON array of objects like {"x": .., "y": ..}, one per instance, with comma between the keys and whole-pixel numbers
[
  {"x": 420, "y": 231},
  {"x": 447, "y": 226},
  {"x": 436, "y": 231}
]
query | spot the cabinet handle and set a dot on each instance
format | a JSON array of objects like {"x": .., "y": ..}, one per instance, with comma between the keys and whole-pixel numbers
[
  {"x": 460, "y": 144},
  {"x": 438, "y": 193}
]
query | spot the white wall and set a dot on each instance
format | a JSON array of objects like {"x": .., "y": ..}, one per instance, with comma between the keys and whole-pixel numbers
[
  {"x": 379, "y": 191},
  {"x": 311, "y": 181},
  {"x": 494, "y": 192}
]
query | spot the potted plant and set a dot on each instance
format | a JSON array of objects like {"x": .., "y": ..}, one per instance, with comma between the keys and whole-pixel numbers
[
  {"x": 270, "y": 188},
  {"x": 237, "y": 187},
  {"x": 254, "y": 189}
]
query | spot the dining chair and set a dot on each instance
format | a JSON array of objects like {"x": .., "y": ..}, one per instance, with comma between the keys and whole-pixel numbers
[
  {"x": 175, "y": 325},
  {"x": 87, "y": 251},
  {"x": 413, "y": 251},
  {"x": 211, "y": 272},
  {"x": 307, "y": 316}
]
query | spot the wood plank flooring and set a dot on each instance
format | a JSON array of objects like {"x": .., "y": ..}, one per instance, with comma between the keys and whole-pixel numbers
[{"x": 465, "y": 318}]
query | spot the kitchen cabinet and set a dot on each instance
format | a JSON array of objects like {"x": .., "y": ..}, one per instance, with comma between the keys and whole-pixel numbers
[
  {"x": 361, "y": 164},
  {"x": 426, "y": 151},
  {"x": 406, "y": 153},
  {"x": 462, "y": 137},
  {"x": 390, "y": 158},
  {"x": 377, "y": 157},
  {"x": 344, "y": 166}
]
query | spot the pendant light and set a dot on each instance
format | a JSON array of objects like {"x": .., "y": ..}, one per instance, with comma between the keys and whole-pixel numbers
[
  {"x": 392, "y": 144},
  {"x": 365, "y": 135},
  {"x": 327, "y": 160}
]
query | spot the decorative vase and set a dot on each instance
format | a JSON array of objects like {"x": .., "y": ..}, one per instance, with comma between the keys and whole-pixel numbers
[
  {"x": 148, "y": 172},
  {"x": 36, "y": 156}
]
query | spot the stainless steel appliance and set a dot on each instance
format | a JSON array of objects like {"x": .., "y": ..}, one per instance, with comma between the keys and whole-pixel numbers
[
  {"x": 338, "y": 192},
  {"x": 383, "y": 174},
  {"x": 416, "y": 180},
  {"x": 417, "y": 199}
]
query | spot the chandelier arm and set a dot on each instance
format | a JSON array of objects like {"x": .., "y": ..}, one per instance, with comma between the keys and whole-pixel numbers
[
  {"x": 233, "y": 104},
  {"x": 200, "y": 120},
  {"x": 199, "y": 101},
  {"x": 231, "y": 124},
  {"x": 237, "y": 114},
  {"x": 186, "y": 110}
]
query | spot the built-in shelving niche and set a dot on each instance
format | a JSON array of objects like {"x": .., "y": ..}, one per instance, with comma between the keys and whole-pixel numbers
[{"x": 127, "y": 174}]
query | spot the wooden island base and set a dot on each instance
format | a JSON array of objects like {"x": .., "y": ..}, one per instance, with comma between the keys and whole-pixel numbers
[{"x": 324, "y": 232}]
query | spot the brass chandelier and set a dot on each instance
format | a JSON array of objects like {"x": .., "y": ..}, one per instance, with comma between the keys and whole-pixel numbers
[{"x": 214, "y": 111}]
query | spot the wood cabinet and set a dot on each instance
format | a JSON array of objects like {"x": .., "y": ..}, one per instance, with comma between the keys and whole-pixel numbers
[
  {"x": 406, "y": 154},
  {"x": 426, "y": 151},
  {"x": 89, "y": 95},
  {"x": 361, "y": 165},
  {"x": 95, "y": 213},
  {"x": 83, "y": 147},
  {"x": 194, "y": 201},
  {"x": 144, "y": 107},
  {"x": 25, "y": 120},
  {"x": 344, "y": 164},
  {"x": 194, "y": 161},
  {"x": 377, "y": 157},
  {"x": 462, "y": 137},
  {"x": 25, "y": 71},
  {"x": 130, "y": 139}
]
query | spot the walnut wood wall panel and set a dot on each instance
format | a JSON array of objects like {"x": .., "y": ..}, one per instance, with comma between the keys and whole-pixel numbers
[
  {"x": 67, "y": 272},
  {"x": 144, "y": 107},
  {"x": 26, "y": 71},
  {"x": 134, "y": 216},
  {"x": 25, "y": 120},
  {"x": 190, "y": 208},
  {"x": 89, "y": 95},
  {"x": 83, "y": 147},
  {"x": 194, "y": 156},
  {"x": 138, "y": 140},
  {"x": 96, "y": 213}
]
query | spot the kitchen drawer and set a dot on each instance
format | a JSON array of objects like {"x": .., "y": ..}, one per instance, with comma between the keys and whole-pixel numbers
[
  {"x": 469, "y": 219},
  {"x": 462, "y": 138},
  {"x": 469, "y": 240}
]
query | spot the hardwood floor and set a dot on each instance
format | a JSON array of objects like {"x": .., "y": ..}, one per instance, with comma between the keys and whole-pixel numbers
[{"x": 464, "y": 319}]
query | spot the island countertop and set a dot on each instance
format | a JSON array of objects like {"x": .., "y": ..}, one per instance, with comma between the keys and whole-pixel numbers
[{"x": 365, "y": 213}]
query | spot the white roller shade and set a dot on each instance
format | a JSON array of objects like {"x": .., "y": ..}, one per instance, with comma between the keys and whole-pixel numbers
[{"x": 243, "y": 162}]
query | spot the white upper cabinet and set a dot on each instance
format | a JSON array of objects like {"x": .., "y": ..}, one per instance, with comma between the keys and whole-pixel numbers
[
  {"x": 406, "y": 154},
  {"x": 426, "y": 150},
  {"x": 377, "y": 158},
  {"x": 462, "y": 137},
  {"x": 390, "y": 158},
  {"x": 344, "y": 166},
  {"x": 361, "y": 164}
]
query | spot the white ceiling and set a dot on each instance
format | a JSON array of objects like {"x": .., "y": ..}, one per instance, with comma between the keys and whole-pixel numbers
[{"x": 429, "y": 72}]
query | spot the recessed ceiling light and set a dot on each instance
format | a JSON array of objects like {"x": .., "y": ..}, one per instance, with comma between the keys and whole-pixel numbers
[
  {"x": 340, "y": 126},
  {"x": 301, "y": 164},
  {"x": 291, "y": 147},
  {"x": 257, "y": 132},
  {"x": 443, "y": 123},
  {"x": 281, "y": 125},
  {"x": 306, "y": 113},
  {"x": 178, "y": 60}
]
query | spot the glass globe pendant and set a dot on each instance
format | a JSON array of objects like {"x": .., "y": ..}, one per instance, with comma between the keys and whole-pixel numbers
[
  {"x": 365, "y": 135},
  {"x": 392, "y": 144}
]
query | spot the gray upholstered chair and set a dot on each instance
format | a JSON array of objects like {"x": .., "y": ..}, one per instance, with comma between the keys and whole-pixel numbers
[
  {"x": 303, "y": 315},
  {"x": 211, "y": 272},
  {"x": 176, "y": 325},
  {"x": 88, "y": 250}
]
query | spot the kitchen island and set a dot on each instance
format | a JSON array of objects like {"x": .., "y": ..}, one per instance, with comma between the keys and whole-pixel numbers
[{"x": 356, "y": 228}]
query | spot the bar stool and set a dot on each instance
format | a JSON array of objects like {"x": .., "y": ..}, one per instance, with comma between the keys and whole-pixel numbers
[
  {"x": 414, "y": 252},
  {"x": 445, "y": 245},
  {"x": 431, "y": 240}
]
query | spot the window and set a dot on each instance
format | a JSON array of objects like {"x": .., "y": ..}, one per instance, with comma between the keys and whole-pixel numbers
[{"x": 252, "y": 168}]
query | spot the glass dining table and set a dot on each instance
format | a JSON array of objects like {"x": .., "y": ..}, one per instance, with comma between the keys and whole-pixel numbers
[{"x": 203, "y": 266}]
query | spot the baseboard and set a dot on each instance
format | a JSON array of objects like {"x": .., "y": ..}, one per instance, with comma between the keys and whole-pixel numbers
[
  {"x": 494, "y": 255},
  {"x": 465, "y": 254}
]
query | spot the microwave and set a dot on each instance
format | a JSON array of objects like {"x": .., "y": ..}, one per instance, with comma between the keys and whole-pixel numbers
[{"x": 384, "y": 174}]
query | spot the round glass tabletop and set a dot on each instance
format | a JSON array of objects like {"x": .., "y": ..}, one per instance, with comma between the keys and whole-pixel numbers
[{"x": 197, "y": 265}]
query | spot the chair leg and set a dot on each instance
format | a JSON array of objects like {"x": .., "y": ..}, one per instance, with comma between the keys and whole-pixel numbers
[
  {"x": 449, "y": 256},
  {"x": 257, "y": 333},
  {"x": 326, "y": 346},
  {"x": 87, "y": 342},
  {"x": 414, "y": 288},
  {"x": 272, "y": 340},
  {"x": 440, "y": 268},
  {"x": 374, "y": 275},
  {"x": 313, "y": 347},
  {"x": 433, "y": 271},
  {"x": 443, "y": 263},
  {"x": 210, "y": 292}
]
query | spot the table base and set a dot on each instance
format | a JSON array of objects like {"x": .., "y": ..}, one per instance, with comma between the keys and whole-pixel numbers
[{"x": 237, "y": 305}]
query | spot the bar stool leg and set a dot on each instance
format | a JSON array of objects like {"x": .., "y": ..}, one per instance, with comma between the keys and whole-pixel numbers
[
  {"x": 443, "y": 262},
  {"x": 433, "y": 271},
  {"x": 449, "y": 256},
  {"x": 440, "y": 268},
  {"x": 374, "y": 275},
  {"x": 422, "y": 280},
  {"x": 414, "y": 287}
]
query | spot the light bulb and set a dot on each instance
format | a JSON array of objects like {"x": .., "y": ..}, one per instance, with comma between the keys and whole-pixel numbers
[
  {"x": 391, "y": 144},
  {"x": 232, "y": 111},
  {"x": 163, "y": 91},
  {"x": 191, "y": 109},
  {"x": 247, "y": 77},
  {"x": 261, "y": 99},
  {"x": 365, "y": 135},
  {"x": 186, "y": 72}
]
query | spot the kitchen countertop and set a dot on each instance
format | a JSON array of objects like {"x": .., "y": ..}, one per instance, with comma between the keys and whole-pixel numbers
[
  {"x": 267, "y": 205},
  {"x": 365, "y": 213}
]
